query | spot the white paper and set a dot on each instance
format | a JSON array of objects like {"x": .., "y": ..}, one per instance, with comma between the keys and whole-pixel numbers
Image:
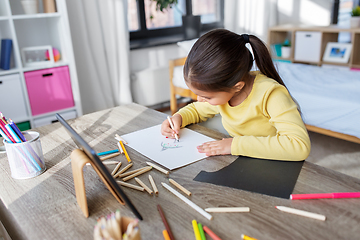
[{"x": 165, "y": 151}]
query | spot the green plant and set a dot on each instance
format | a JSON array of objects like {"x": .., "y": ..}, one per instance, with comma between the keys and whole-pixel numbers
[
  {"x": 164, "y": 4},
  {"x": 286, "y": 43},
  {"x": 355, "y": 11}
]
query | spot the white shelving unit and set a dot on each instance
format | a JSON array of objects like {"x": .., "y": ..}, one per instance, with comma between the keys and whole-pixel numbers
[{"x": 33, "y": 30}]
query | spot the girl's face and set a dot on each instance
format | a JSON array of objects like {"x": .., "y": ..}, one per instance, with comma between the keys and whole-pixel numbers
[{"x": 213, "y": 98}]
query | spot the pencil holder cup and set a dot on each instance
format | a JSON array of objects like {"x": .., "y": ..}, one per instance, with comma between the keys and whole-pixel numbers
[{"x": 26, "y": 159}]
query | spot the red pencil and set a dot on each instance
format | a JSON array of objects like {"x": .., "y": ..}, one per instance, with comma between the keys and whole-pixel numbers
[
  {"x": 211, "y": 233},
  {"x": 2, "y": 126}
]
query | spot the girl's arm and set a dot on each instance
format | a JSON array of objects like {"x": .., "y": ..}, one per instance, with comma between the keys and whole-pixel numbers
[
  {"x": 291, "y": 141},
  {"x": 197, "y": 112}
]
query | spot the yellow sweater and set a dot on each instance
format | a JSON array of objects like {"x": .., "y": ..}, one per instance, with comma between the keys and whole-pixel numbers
[{"x": 266, "y": 124}]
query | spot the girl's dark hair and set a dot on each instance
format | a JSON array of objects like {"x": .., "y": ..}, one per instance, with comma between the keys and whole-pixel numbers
[{"x": 219, "y": 59}]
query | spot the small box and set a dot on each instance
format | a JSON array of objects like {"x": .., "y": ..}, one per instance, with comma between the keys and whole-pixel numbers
[
  {"x": 49, "y": 90},
  {"x": 12, "y": 98},
  {"x": 307, "y": 46}
]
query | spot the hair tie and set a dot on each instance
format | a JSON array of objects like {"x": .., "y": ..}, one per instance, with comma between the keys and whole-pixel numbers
[{"x": 246, "y": 38}]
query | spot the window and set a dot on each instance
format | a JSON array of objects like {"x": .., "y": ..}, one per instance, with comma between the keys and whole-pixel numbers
[{"x": 146, "y": 23}]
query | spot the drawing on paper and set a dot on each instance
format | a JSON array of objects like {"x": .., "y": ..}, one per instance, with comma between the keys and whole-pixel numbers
[{"x": 173, "y": 145}]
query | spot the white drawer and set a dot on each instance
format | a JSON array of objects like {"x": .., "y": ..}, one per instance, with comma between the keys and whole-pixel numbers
[
  {"x": 51, "y": 119},
  {"x": 12, "y": 101},
  {"x": 307, "y": 46}
]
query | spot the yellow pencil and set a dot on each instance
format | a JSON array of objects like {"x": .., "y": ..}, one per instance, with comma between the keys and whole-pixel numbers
[
  {"x": 126, "y": 154},
  {"x": 196, "y": 230},
  {"x": 245, "y": 237}
]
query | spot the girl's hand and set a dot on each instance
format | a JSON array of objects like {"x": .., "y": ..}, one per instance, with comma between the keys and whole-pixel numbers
[
  {"x": 166, "y": 128},
  {"x": 222, "y": 147}
]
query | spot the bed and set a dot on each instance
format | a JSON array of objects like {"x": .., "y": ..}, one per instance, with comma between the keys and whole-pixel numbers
[{"x": 329, "y": 98}]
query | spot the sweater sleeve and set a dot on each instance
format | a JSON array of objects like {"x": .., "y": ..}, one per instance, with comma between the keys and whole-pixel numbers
[
  {"x": 291, "y": 141},
  {"x": 197, "y": 112}
]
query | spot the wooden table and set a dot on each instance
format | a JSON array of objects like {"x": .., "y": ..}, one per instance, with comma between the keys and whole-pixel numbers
[{"x": 45, "y": 207}]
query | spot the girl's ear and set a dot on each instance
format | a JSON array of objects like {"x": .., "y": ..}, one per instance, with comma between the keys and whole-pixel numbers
[{"x": 240, "y": 85}]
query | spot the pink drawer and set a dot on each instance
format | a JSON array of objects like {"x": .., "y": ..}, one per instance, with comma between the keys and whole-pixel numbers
[{"x": 49, "y": 89}]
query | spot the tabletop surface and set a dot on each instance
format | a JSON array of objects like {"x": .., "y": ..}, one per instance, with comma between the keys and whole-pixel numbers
[{"x": 45, "y": 207}]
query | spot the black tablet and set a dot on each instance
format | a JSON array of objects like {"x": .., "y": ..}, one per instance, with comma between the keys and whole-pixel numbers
[{"x": 80, "y": 142}]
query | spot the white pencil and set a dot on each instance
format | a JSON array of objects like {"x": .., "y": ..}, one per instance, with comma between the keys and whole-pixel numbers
[
  {"x": 228, "y": 209},
  {"x": 302, "y": 213},
  {"x": 117, "y": 137},
  {"x": 172, "y": 127},
  {"x": 158, "y": 168},
  {"x": 187, "y": 201}
]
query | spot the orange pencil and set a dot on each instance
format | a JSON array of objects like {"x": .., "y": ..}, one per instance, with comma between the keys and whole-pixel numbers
[
  {"x": 126, "y": 154},
  {"x": 166, "y": 235}
]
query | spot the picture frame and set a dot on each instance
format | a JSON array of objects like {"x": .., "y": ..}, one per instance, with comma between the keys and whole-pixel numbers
[
  {"x": 337, "y": 52},
  {"x": 36, "y": 56}
]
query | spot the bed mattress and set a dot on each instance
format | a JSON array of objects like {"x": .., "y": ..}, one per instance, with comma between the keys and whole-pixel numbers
[{"x": 329, "y": 98}]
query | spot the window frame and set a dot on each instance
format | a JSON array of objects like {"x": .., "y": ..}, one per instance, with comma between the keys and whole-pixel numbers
[{"x": 171, "y": 34}]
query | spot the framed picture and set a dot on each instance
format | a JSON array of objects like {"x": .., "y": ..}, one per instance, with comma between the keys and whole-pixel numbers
[
  {"x": 37, "y": 56},
  {"x": 337, "y": 52}
]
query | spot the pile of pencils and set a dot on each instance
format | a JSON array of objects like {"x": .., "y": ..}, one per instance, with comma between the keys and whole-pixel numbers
[{"x": 109, "y": 227}]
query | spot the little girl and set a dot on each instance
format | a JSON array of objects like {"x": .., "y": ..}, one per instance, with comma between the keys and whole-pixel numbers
[{"x": 256, "y": 108}]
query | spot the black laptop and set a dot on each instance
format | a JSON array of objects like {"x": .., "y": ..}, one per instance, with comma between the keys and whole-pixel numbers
[{"x": 80, "y": 142}]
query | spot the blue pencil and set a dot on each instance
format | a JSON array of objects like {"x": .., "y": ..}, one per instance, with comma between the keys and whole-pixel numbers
[
  {"x": 108, "y": 152},
  {"x": 17, "y": 130}
]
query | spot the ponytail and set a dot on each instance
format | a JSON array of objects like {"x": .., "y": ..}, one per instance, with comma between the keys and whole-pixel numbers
[{"x": 263, "y": 59}]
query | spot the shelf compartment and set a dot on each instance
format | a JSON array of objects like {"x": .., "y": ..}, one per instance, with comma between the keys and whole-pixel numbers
[
  {"x": 37, "y": 32},
  {"x": 12, "y": 98},
  {"x": 49, "y": 90}
]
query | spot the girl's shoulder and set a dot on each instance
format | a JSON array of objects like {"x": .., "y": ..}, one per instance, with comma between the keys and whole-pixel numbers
[{"x": 265, "y": 82}]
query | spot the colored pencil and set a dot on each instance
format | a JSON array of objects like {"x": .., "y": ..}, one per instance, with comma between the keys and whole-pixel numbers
[
  {"x": 196, "y": 230},
  {"x": 109, "y": 156},
  {"x": 187, "y": 192},
  {"x": 123, "y": 170},
  {"x": 120, "y": 148},
  {"x": 120, "y": 139},
  {"x": 172, "y": 127},
  {"x": 187, "y": 201},
  {"x": 17, "y": 130},
  {"x": 131, "y": 186},
  {"x": 228, "y": 209},
  {"x": 137, "y": 174},
  {"x": 302, "y": 213},
  {"x": 201, "y": 230},
  {"x": 152, "y": 182},
  {"x": 124, "y": 149},
  {"x": 116, "y": 168},
  {"x": 144, "y": 186},
  {"x": 166, "y": 235},
  {"x": 245, "y": 237},
  {"x": 166, "y": 224},
  {"x": 158, "y": 168},
  {"x": 211, "y": 233},
  {"x": 325, "y": 195},
  {"x": 108, "y": 152},
  {"x": 132, "y": 172}
]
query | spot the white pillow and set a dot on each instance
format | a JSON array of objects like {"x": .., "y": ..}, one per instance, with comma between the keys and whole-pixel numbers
[{"x": 187, "y": 45}]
